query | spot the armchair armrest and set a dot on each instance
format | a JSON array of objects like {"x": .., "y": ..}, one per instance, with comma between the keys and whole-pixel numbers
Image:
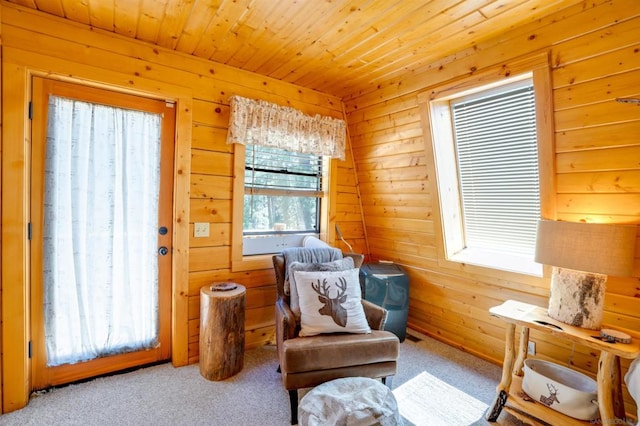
[
  {"x": 285, "y": 321},
  {"x": 376, "y": 315}
]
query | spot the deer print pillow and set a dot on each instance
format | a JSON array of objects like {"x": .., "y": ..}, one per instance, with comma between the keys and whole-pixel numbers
[
  {"x": 336, "y": 265},
  {"x": 330, "y": 302}
]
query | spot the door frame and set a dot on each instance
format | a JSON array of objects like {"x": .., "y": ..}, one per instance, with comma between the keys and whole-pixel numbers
[
  {"x": 43, "y": 376},
  {"x": 17, "y": 74}
]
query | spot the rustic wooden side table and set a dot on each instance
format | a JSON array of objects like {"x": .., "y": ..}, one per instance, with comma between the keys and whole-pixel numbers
[
  {"x": 222, "y": 313},
  {"x": 509, "y": 392}
]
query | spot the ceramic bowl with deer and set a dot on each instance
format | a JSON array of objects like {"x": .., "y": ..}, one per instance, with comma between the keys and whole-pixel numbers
[{"x": 562, "y": 389}]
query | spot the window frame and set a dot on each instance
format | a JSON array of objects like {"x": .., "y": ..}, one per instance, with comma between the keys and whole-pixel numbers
[
  {"x": 240, "y": 262},
  {"x": 253, "y": 188},
  {"x": 439, "y": 144}
]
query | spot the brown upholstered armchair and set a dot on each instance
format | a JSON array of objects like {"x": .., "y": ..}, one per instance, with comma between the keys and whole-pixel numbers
[{"x": 309, "y": 361}]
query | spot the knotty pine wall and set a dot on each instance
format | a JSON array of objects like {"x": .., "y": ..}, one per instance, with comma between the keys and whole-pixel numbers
[
  {"x": 34, "y": 43},
  {"x": 595, "y": 52}
]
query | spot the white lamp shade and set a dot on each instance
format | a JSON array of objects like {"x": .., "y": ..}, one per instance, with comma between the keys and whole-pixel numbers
[{"x": 590, "y": 247}]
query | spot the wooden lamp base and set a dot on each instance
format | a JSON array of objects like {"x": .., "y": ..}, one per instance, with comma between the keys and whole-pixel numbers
[{"x": 577, "y": 298}]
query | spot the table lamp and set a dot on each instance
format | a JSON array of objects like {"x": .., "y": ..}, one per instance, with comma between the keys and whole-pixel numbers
[{"x": 582, "y": 255}]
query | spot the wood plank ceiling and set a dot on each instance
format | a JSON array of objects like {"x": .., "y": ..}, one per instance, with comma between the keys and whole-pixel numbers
[{"x": 340, "y": 47}]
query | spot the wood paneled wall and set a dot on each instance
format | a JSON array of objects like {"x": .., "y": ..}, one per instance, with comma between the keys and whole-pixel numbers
[
  {"x": 595, "y": 53},
  {"x": 596, "y": 58},
  {"x": 1, "y": 314},
  {"x": 34, "y": 43}
]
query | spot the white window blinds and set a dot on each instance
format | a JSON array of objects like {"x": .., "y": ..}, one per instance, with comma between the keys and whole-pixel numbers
[
  {"x": 495, "y": 135},
  {"x": 271, "y": 170}
]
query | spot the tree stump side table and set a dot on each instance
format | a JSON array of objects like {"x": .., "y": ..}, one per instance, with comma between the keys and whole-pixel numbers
[{"x": 222, "y": 309}]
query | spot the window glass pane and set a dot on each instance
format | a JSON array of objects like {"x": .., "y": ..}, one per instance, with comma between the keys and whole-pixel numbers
[
  {"x": 267, "y": 214},
  {"x": 282, "y": 198},
  {"x": 497, "y": 151}
]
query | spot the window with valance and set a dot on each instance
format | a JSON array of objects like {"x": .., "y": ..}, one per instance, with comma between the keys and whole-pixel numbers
[{"x": 285, "y": 154}]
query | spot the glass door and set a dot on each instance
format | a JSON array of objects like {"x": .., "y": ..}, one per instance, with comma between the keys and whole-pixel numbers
[{"x": 102, "y": 184}]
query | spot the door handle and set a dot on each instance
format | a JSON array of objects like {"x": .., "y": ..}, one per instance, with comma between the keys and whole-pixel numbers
[{"x": 163, "y": 251}]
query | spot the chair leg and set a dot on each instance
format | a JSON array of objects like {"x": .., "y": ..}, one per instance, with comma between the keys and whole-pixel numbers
[
  {"x": 279, "y": 370},
  {"x": 387, "y": 381},
  {"x": 293, "y": 400}
]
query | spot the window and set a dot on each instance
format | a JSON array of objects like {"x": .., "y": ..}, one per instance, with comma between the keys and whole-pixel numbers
[
  {"x": 282, "y": 185},
  {"x": 497, "y": 159},
  {"x": 282, "y": 199},
  {"x": 492, "y": 147}
]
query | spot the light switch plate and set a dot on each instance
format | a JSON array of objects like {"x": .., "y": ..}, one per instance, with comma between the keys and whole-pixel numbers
[
  {"x": 531, "y": 348},
  {"x": 201, "y": 229}
]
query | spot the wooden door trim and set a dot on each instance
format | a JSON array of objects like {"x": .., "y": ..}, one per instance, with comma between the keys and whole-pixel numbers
[
  {"x": 15, "y": 192},
  {"x": 16, "y": 76}
]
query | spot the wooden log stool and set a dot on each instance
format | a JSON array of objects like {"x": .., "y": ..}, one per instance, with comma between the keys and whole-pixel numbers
[{"x": 222, "y": 307}]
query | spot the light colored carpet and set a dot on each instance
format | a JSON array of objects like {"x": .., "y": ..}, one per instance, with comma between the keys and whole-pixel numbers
[{"x": 163, "y": 395}]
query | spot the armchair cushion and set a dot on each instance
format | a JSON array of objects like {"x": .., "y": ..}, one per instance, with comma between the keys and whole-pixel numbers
[
  {"x": 330, "y": 302},
  {"x": 336, "y": 265},
  {"x": 333, "y": 351}
]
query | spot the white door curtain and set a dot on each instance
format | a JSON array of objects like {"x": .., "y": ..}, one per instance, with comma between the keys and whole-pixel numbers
[{"x": 102, "y": 179}]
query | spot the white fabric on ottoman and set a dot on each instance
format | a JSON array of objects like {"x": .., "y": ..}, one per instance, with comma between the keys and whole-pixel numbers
[{"x": 356, "y": 401}]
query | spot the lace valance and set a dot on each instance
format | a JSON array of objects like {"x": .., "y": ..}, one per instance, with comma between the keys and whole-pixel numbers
[{"x": 258, "y": 122}]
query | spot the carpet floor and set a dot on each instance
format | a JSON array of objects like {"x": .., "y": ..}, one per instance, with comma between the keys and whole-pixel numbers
[{"x": 431, "y": 377}]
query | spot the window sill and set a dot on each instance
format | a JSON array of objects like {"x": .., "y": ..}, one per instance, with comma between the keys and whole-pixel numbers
[
  {"x": 502, "y": 261},
  {"x": 257, "y": 245},
  {"x": 272, "y": 245}
]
